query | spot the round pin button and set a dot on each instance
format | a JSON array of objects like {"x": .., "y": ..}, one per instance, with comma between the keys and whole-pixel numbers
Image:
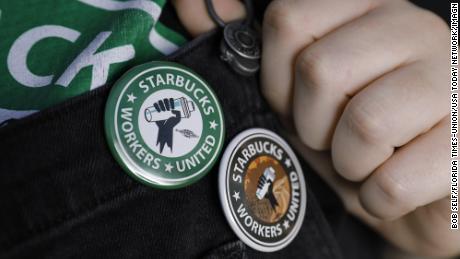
[
  {"x": 164, "y": 125},
  {"x": 262, "y": 190}
]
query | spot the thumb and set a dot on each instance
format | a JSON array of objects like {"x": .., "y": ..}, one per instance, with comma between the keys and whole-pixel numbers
[
  {"x": 195, "y": 18},
  {"x": 176, "y": 113}
]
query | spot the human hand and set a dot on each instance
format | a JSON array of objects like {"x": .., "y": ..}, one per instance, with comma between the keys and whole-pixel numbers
[
  {"x": 165, "y": 127},
  {"x": 366, "y": 82},
  {"x": 265, "y": 187},
  {"x": 195, "y": 18}
]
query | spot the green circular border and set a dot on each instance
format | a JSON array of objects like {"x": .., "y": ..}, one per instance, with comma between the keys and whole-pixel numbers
[{"x": 112, "y": 140}]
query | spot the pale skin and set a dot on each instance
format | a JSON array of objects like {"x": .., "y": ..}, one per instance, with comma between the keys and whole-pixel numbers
[{"x": 365, "y": 84}]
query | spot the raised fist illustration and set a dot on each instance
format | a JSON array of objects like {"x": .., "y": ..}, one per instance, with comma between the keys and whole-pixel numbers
[
  {"x": 166, "y": 126},
  {"x": 265, "y": 186}
]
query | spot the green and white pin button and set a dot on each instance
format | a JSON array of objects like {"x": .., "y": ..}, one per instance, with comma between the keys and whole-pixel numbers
[{"x": 164, "y": 125}]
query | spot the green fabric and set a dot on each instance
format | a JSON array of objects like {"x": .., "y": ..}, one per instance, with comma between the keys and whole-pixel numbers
[{"x": 51, "y": 50}]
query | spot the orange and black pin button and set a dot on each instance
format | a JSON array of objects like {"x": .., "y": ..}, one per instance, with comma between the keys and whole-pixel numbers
[{"x": 262, "y": 190}]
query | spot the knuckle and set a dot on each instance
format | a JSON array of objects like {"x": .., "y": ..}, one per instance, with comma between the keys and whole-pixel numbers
[
  {"x": 395, "y": 192},
  {"x": 278, "y": 17},
  {"x": 433, "y": 22},
  {"x": 362, "y": 118},
  {"x": 433, "y": 28},
  {"x": 312, "y": 67}
]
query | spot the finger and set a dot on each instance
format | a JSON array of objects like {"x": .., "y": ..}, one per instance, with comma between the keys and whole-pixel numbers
[
  {"x": 166, "y": 102},
  {"x": 347, "y": 191},
  {"x": 157, "y": 107},
  {"x": 349, "y": 58},
  {"x": 426, "y": 231},
  {"x": 290, "y": 26},
  {"x": 195, "y": 18},
  {"x": 412, "y": 177},
  {"x": 176, "y": 113},
  {"x": 171, "y": 103},
  {"x": 410, "y": 233},
  {"x": 162, "y": 105},
  {"x": 389, "y": 113}
]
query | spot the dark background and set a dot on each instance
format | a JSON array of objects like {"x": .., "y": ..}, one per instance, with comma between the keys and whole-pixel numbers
[{"x": 441, "y": 7}]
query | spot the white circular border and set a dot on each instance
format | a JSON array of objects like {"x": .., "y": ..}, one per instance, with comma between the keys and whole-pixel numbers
[
  {"x": 137, "y": 170},
  {"x": 224, "y": 195}
]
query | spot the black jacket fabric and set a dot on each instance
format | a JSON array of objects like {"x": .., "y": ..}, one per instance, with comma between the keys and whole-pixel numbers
[{"x": 63, "y": 195}]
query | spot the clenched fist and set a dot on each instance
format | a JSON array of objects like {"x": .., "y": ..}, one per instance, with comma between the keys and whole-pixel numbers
[{"x": 366, "y": 84}]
